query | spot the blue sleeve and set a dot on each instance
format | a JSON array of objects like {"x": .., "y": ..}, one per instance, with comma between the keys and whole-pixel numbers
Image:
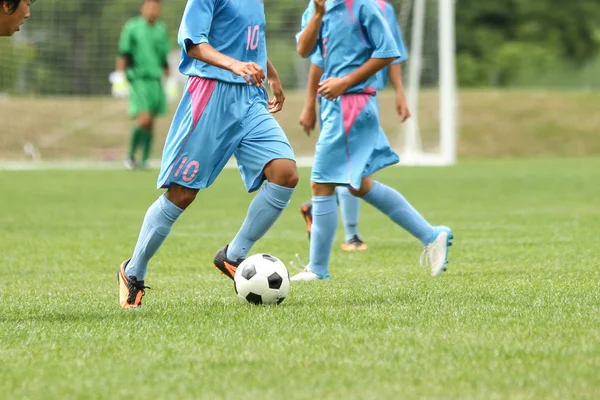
[
  {"x": 390, "y": 15},
  {"x": 196, "y": 22},
  {"x": 317, "y": 58},
  {"x": 377, "y": 31},
  {"x": 305, "y": 18}
]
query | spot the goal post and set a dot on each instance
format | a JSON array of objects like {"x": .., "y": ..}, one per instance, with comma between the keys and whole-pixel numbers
[{"x": 441, "y": 150}]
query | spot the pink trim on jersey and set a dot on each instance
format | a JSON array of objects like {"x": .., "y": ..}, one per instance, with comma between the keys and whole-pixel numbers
[
  {"x": 371, "y": 91},
  {"x": 381, "y": 4},
  {"x": 200, "y": 89},
  {"x": 352, "y": 106},
  {"x": 349, "y": 4}
]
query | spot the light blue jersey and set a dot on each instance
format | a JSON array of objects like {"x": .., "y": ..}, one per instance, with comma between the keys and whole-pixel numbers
[
  {"x": 352, "y": 31},
  {"x": 235, "y": 28},
  {"x": 219, "y": 114},
  {"x": 390, "y": 16}
]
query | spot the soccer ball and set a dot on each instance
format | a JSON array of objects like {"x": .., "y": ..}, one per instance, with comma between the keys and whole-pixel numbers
[{"x": 262, "y": 279}]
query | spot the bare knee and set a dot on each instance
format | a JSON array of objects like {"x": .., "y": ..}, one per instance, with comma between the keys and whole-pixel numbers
[
  {"x": 322, "y": 189},
  {"x": 282, "y": 172},
  {"x": 145, "y": 121},
  {"x": 365, "y": 186},
  {"x": 181, "y": 196}
]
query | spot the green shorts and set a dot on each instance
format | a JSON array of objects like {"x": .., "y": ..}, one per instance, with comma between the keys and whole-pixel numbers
[{"x": 147, "y": 95}]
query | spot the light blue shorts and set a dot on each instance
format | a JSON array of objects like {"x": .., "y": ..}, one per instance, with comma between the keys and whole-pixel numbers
[
  {"x": 351, "y": 144},
  {"x": 214, "y": 121}
]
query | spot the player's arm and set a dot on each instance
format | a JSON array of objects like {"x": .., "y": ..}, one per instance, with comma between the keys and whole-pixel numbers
[
  {"x": 307, "y": 39},
  {"x": 166, "y": 47},
  {"x": 276, "y": 103},
  {"x": 395, "y": 70},
  {"x": 395, "y": 77},
  {"x": 308, "y": 117},
  {"x": 384, "y": 52},
  {"x": 118, "y": 78},
  {"x": 208, "y": 54},
  {"x": 331, "y": 88},
  {"x": 193, "y": 39}
]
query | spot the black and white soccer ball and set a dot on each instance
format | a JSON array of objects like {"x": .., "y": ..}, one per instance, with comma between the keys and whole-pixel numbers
[{"x": 262, "y": 279}]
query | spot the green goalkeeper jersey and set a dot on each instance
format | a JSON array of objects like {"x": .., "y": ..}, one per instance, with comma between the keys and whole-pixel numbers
[{"x": 145, "y": 46}]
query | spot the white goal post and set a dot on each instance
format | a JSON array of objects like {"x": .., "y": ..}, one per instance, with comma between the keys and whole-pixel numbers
[{"x": 444, "y": 152}]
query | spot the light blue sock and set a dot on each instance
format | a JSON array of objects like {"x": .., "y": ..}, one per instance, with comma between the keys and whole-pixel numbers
[
  {"x": 325, "y": 220},
  {"x": 158, "y": 221},
  {"x": 395, "y": 206},
  {"x": 350, "y": 208},
  {"x": 262, "y": 214}
]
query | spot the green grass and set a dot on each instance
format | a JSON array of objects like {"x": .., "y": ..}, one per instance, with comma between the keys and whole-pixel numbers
[{"x": 516, "y": 316}]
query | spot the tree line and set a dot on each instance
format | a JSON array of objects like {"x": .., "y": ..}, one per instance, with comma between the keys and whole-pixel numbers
[{"x": 68, "y": 47}]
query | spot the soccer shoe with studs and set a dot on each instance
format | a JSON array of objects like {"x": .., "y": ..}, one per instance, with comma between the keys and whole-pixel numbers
[
  {"x": 131, "y": 290},
  {"x": 354, "y": 244},
  {"x": 436, "y": 252},
  {"x": 306, "y": 211},
  {"x": 225, "y": 265}
]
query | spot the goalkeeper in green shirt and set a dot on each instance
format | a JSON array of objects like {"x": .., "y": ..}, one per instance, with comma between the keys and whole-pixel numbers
[{"x": 143, "y": 49}]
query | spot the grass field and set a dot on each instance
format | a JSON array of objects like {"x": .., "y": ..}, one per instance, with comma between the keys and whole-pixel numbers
[{"x": 516, "y": 316}]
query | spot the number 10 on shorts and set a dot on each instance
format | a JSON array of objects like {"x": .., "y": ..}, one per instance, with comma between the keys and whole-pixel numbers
[{"x": 189, "y": 172}]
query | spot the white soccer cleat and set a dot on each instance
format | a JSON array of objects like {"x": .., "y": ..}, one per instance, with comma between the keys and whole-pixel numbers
[
  {"x": 436, "y": 252},
  {"x": 305, "y": 275}
]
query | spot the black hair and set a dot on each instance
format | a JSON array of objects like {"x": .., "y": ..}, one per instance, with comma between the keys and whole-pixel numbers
[{"x": 13, "y": 4}]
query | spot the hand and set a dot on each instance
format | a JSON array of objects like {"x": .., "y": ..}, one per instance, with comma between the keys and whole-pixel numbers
[
  {"x": 331, "y": 88},
  {"x": 245, "y": 69},
  {"x": 319, "y": 7},
  {"x": 120, "y": 86},
  {"x": 402, "y": 107},
  {"x": 276, "y": 103},
  {"x": 308, "y": 119}
]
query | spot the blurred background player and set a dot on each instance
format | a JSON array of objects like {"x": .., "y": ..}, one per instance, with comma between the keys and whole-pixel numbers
[
  {"x": 143, "y": 50},
  {"x": 349, "y": 204},
  {"x": 13, "y": 14},
  {"x": 352, "y": 146},
  {"x": 224, "y": 111}
]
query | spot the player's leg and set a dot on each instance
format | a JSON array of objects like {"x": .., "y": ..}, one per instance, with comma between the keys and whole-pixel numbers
[
  {"x": 350, "y": 211},
  {"x": 140, "y": 110},
  {"x": 157, "y": 224},
  {"x": 306, "y": 212},
  {"x": 157, "y": 104},
  {"x": 264, "y": 153},
  {"x": 393, "y": 204},
  {"x": 330, "y": 167},
  {"x": 147, "y": 137},
  {"x": 145, "y": 125},
  {"x": 325, "y": 220},
  {"x": 192, "y": 137}
]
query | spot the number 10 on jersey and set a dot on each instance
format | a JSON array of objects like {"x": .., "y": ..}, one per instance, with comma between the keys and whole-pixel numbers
[{"x": 253, "y": 36}]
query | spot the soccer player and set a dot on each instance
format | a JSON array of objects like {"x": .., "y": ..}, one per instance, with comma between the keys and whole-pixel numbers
[
  {"x": 13, "y": 14},
  {"x": 143, "y": 49},
  {"x": 224, "y": 111},
  {"x": 350, "y": 205},
  {"x": 355, "y": 42}
]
